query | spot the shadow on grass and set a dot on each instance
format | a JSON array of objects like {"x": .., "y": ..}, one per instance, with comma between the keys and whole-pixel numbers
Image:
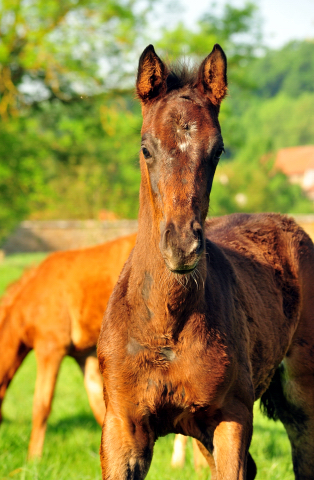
[{"x": 80, "y": 421}]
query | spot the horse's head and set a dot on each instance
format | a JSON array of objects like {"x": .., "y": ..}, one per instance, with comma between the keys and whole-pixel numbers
[{"x": 181, "y": 146}]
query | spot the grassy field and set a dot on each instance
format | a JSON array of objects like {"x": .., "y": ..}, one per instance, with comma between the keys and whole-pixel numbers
[{"x": 73, "y": 437}]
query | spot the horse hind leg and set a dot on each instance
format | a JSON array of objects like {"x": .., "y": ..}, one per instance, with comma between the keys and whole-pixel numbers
[
  {"x": 48, "y": 365},
  {"x": 290, "y": 396},
  {"x": 94, "y": 386},
  {"x": 297, "y": 377},
  {"x": 178, "y": 453},
  {"x": 291, "y": 400}
]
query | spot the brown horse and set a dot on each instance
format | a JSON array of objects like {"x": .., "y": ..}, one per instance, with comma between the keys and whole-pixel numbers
[
  {"x": 56, "y": 309},
  {"x": 207, "y": 316}
]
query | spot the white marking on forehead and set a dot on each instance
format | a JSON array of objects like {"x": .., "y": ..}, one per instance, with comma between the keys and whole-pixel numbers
[
  {"x": 188, "y": 129},
  {"x": 183, "y": 146}
]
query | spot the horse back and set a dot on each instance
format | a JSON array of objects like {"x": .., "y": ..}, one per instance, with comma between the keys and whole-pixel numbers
[
  {"x": 272, "y": 260},
  {"x": 64, "y": 298}
]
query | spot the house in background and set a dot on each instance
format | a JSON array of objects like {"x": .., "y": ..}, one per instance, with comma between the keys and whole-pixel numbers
[{"x": 298, "y": 164}]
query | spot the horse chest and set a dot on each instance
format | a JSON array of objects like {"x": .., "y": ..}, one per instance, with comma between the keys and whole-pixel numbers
[{"x": 176, "y": 378}]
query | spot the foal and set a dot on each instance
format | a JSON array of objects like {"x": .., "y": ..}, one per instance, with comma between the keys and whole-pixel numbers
[
  {"x": 207, "y": 315},
  {"x": 56, "y": 309}
]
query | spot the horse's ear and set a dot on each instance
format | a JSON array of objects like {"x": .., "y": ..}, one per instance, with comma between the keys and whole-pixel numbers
[
  {"x": 151, "y": 75},
  {"x": 212, "y": 75}
]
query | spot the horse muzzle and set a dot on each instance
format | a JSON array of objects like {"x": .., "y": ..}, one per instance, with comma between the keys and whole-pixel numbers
[{"x": 182, "y": 247}]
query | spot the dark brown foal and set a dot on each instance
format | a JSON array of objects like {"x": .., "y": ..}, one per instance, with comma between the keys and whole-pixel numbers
[{"x": 206, "y": 316}]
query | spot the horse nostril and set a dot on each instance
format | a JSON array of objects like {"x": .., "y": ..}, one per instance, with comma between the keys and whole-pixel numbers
[{"x": 166, "y": 237}]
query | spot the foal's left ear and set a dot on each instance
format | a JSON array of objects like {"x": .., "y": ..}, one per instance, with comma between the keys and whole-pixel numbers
[
  {"x": 212, "y": 75},
  {"x": 151, "y": 75}
]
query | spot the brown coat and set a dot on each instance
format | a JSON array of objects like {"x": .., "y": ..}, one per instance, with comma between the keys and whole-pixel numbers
[
  {"x": 205, "y": 313},
  {"x": 56, "y": 309}
]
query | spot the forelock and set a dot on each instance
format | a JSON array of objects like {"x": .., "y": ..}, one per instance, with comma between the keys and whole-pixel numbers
[{"x": 181, "y": 75}]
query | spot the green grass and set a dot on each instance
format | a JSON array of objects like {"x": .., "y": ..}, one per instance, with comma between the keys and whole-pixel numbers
[
  {"x": 73, "y": 437},
  {"x": 12, "y": 267}
]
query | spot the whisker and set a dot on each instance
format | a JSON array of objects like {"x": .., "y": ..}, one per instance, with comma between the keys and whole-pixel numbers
[
  {"x": 194, "y": 276},
  {"x": 200, "y": 276},
  {"x": 179, "y": 280}
]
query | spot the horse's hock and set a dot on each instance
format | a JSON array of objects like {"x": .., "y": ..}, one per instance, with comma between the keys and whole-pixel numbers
[{"x": 47, "y": 236}]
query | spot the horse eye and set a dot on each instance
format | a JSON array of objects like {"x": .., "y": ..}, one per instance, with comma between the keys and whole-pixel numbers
[
  {"x": 146, "y": 153},
  {"x": 219, "y": 152}
]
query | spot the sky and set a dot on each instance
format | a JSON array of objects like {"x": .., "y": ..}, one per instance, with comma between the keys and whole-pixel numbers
[{"x": 283, "y": 20}]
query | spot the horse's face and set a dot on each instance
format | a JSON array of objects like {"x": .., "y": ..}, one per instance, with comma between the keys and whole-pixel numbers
[{"x": 181, "y": 146}]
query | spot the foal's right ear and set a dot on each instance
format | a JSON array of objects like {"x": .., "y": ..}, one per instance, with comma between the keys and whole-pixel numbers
[{"x": 151, "y": 75}]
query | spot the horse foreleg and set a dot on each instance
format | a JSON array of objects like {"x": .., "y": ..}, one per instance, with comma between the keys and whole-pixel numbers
[
  {"x": 48, "y": 364},
  {"x": 126, "y": 447},
  {"x": 251, "y": 467},
  {"x": 94, "y": 387},
  {"x": 231, "y": 442}
]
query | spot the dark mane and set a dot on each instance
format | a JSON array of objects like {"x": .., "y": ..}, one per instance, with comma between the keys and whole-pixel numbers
[{"x": 181, "y": 75}]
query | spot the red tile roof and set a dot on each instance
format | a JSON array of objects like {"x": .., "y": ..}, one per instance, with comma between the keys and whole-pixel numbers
[{"x": 295, "y": 160}]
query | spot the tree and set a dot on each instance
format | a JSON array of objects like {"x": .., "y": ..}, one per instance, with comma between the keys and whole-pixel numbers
[
  {"x": 289, "y": 70},
  {"x": 64, "y": 49},
  {"x": 236, "y": 29},
  {"x": 56, "y": 58}
]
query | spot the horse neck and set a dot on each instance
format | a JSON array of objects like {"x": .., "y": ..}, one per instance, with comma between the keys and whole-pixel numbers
[{"x": 159, "y": 295}]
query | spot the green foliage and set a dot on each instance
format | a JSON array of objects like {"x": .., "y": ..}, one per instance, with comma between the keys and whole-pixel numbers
[
  {"x": 95, "y": 154},
  {"x": 237, "y": 30},
  {"x": 270, "y": 124},
  {"x": 21, "y": 178},
  {"x": 255, "y": 133},
  {"x": 69, "y": 140},
  {"x": 70, "y": 162},
  {"x": 243, "y": 187},
  {"x": 289, "y": 71},
  {"x": 54, "y": 152},
  {"x": 52, "y": 48}
]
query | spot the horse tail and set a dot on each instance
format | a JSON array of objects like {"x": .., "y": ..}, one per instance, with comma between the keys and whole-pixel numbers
[
  {"x": 273, "y": 398},
  {"x": 276, "y": 405}
]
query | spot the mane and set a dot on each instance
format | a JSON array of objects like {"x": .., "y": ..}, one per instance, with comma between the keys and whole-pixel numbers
[{"x": 181, "y": 75}]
